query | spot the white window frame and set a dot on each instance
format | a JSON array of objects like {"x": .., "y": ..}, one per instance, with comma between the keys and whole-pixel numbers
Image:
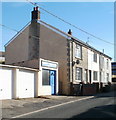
[
  {"x": 85, "y": 75},
  {"x": 107, "y": 63},
  {"x": 78, "y": 73},
  {"x": 95, "y": 57},
  {"x": 107, "y": 77},
  {"x": 101, "y": 61},
  {"x": 78, "y": 51},
  {"x": 95, "y": 75}
]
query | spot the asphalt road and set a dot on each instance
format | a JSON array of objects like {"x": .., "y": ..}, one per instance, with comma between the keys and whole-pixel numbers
[{"x": 101, "y": 106}]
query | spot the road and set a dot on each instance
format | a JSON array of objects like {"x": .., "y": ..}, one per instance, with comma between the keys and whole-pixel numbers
[{"x": 101, "y": 106}]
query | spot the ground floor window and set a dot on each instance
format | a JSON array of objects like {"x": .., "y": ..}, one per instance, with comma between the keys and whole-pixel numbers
[
  {"x": 45, "y": 77},
  {"x": 107, "y": 77},
  {"x": 78, "y": 75},
  {"x": 94, "y": 75},
  {"x": 85, "y": 76}
]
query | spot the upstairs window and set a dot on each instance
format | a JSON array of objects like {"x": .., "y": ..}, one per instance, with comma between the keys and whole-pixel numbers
[
  {"x": 95, "y": 57},
  {"x": 107, "y": 63},
  {"x": 78, "y": 51},
  {"x": 101, "y": 61}
]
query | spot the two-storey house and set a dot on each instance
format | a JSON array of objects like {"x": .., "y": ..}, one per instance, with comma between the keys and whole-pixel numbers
[{"x": 63, "y": 60}]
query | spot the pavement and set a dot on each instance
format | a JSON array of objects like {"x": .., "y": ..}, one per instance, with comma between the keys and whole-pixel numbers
[
  {"x": 12, "y": 103},
  {"x": 15, "y": 107}
]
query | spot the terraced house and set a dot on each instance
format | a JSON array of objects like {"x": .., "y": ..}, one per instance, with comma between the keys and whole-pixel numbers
[{"x": 65, "y": 62}]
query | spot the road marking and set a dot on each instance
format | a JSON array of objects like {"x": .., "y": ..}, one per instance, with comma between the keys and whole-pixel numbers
[{"x": 52, "y": 107}]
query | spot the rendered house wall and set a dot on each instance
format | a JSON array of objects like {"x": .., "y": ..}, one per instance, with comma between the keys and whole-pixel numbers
[
  {"x": 54, "y": 47},
  {"x": 17, "y": 50}
]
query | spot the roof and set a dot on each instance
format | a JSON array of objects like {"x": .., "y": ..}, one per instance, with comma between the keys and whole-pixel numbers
[{"x": 61, "y": 33}]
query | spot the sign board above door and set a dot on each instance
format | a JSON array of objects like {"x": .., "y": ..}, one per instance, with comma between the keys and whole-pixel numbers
[{"x": 48, "y": 64}]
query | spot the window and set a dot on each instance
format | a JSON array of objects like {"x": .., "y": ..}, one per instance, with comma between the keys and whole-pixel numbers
[
  {"x": 101, "y": 61},
  {"x": 107, "y": 77},
  {"x": 95, "y": 57},
  {"x": 107, "y": 64},
  {"x": 78, "y": 51},
  {"x": 45, "y": 77},
  {"x": 85, "y": 76},
  {"x": 78, "y": 74},
  {"x": 95, "y": 75}
]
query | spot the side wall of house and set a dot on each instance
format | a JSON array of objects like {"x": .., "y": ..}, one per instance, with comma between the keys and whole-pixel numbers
[
  {"x": 17, "y": 50},
  {"x": 53, "y": 46},
  {"x": 25, "y": 46}
]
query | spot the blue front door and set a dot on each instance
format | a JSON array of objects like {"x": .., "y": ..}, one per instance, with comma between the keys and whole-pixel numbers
[{"x": 53, "y": 81}]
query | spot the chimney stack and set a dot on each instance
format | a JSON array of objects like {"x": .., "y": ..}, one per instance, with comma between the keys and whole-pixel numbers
[
  {"x": 69, "y": 32},
  {"x": 35, "y": 14}
]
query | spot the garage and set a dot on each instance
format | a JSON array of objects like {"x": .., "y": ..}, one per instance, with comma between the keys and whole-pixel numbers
[
  {"x": 25, "y": 84},
  {"x": 5, "y": 83}
]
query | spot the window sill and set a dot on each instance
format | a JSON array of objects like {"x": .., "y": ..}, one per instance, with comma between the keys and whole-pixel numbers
[{"x": 78, "y": 58}]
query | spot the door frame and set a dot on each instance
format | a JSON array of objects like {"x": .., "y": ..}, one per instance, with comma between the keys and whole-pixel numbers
[
  {"x": 54, "y": 81},
  {"x": 90, "y": 76}
]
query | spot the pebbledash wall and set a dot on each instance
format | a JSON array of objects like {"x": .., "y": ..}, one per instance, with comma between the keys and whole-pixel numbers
[{"x": 21, "y": 82}]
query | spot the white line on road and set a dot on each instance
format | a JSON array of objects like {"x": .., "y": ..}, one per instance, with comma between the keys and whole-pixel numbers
[{"x": 52, "y": 107}]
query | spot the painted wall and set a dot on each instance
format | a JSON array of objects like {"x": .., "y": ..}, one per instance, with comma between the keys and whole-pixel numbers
[
  {"x": 107, "y": 70},
  {"x": 93, "y": 66},
  {"x": 5, "y": 83},
  {"x": 100, "y": 66}
]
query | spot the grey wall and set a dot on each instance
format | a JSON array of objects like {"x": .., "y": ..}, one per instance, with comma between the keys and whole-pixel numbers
[
  {"x": 17, "y": 50},
  {"x": 54, "y": 47}
]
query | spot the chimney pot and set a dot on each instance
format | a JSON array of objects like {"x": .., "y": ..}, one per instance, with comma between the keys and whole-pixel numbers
[
  {"x": 35, "y": 14},
  {"x": 69, "y": 32},
  {"x": 36, "y": 8}
]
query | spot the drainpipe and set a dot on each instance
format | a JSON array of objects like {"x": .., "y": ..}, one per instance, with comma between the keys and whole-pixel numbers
[
  {"x": 72, "y": 60},
  {"x": 71, "y": 63}
]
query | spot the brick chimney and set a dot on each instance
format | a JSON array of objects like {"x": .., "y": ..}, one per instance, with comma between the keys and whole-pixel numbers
[{"x": 35, "y": 14}]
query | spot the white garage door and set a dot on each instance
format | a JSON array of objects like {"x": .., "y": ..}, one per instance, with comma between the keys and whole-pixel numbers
[
  {"x": 25, "y": 84},
  {"x": 5, "y": 83}
]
